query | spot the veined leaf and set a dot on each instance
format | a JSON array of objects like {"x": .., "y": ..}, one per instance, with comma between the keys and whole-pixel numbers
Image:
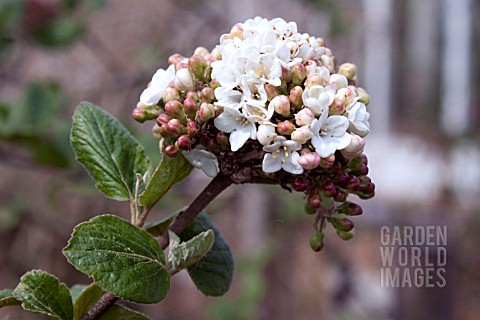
[
  {"x": 122, "y": 258},
  {"x": 7, "y": 298},
  {"x": 110, "y": 154},
  {"x": 185, "y": 254}
]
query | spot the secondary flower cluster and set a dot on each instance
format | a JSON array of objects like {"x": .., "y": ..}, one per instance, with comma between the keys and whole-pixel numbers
[{"x": 266, "y": 99}]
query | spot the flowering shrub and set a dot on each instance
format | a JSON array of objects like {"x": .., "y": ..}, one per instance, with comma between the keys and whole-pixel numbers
[{"x": 267, "y": 105}]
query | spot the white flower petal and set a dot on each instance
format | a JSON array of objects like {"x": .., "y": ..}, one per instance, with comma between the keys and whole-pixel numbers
[
  {"x": 271, "y": 164},
  {"x": 239, "y": 137},
  {"x": 291, "y": 165}
]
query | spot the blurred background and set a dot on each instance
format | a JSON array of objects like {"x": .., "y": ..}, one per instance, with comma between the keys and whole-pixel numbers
[{"x": 417, "y": 59}]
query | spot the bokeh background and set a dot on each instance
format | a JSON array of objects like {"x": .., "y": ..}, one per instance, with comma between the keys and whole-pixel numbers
[{"x": 419, "y": 60}]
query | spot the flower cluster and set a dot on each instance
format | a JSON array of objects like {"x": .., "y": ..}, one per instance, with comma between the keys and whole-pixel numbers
[{"x": 267, "y": 103}]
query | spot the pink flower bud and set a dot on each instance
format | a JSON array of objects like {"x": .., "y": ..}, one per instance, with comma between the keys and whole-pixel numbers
[
  {"x": 302, "y": 134},
  {"x": 355, "y": 148},
  {"x": 342, "y": 224},
  {"x": 337, "y": 107},
  {"x": 164, "y": 132},
  {"x": 329, "y": 189},
  {"x": 341, "y": 196},
  {"x": 163, "y": 119},
  {"x": 349, "y": 70},
  {"x": 191, "y": 107},
  {"x": 200, "y": 51},
  {"x": 176, "y": 128},
  {"x": 298, "y": 74},
  {"x": 206, "y": 112},
  {"x": 309, "y": 160},
  {"x": 327, "y": 162},
  {"x": 350, "y": 209},
  {"x": 313, "y": 80},
  {"x": 172, "y": 150},
  {"x": 364, "y": 97},
  {"x": 171, "y": 93},
  {"x": 184, "y": 142},
  {"x": 265, "y": 134},
  {"x": 353, "y": 184},
  {"x": 139, "y": 115},
  {"x": 285, "y": 128},
  {"x": 314, "y": 200},
  {"x": 296, "y": 97},
  {"x": 207, "y": 95},
  {"x": 156, "y": 132},
  {"x": 345, "y": 95},
  {"x": 175, "y": 58},
  {"x": 281, "y": 104},
  {"x": 300, "y": 184},
  {"x": 192, "y": 128},
  {"x": 320, "y": 42},
  {"x": 310, "y": 65},
  {"x": 175, "y": 109},
  {"x": 216, "y": 53},
  {"x": 304, "y": 117},
  {"x": 213, "y": 146},
  {"x": 236, "y": 32},
  {"x": 222, "y": 140},
  {"x": 214, "y": 84},
  {"x": 328, "y": 62},
  {"x": 286, "y": 75},
  {"x": 192, "y": 95},
  {"x": 341, "y": 178}
]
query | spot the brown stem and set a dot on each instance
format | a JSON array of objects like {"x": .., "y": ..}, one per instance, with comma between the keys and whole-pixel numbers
[
  {"x": 214, "y": 188},
  {"x": 102, "y": 305}
]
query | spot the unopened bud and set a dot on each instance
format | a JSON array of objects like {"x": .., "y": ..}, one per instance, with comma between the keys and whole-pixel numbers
[
  {"x": 286, "y": 75},
  {"x": 342, "y": 224},
  {"x": 337, "y": 107},
  {"x": 285, "y": 128},
  {"x": 265, "y": 134},
  {"x": 214, "y": 84},
  {"x": 353, "y": 184},
  {"x": 197, "y": 66},
  {"x": 171, "y": 93},
  {"x": 328, "y": 62},
  {"x": 207, "y": 95},
  {"x": 163, "y": 119},
  {"x": 281, "y": 104},
  {"x": 304, "y": 117},
  {"x": 213, "y": 146},
  {"x": 172, "y": 150},
  {"x": 206, "y": 112},
  {"x": 300, "y": 184},
  {"x": 175, "y": 58},
  {"x": 338, "y": 81},
  {"x": 236, "y": 32},
  {"x": 316, "y": 241},
  {"x": 328, "y": 161},
  {"x": 200, "y": 51},
  {"x": 309, "y": 160},
  {"x": 164, "y": 132},
  {"x": 355, "y": 148},
  {"x": 363, "y": 96},
  {"x": 321, "y": 42},
  {"x": 341, "y": 196},
  {"x": 309, "y": 210},
  {"x": 175, "y": 109},
  {"x": 298, "y": 74},
  {"x": 345, "y": 235},
  {"x": 350, "y": 209},
  {"x": 302, "y": 134},
  {"x": 329, "y": 189},
  {"x": 183, "y": 80},
  {"x": 216, "y": 53},
  {"x": 349, "y": 70},
  {"x": 191, "y": 107},
  {"x": 341, "y": 178},
  {"x": 192, "y": 95},
  {"x": 272, "y": 91},
  {"x": 222, "y": 140},
  {"x": 192, "y": 128},
  {"x": 139, "y": 115},
  {"x": 176, "y": 128},
  {"x": 314, "y": 200},
  {"x": 296, "y": 97},
  {"x": 313, "y": 80},
  {"x": 184, "y": 142}
]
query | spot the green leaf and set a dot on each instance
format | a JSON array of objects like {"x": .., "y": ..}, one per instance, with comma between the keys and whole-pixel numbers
[
  {"x": 118, "y": 312},
  {"x": 7, "y": 298},
  {"x": 87, "y": 298},
  {"x": 61, "y": 31},
  {"x": 169, "y": 172},
  {"x": 76, "y": 290},
  {"x": 213, "y": 274},
  {"x": 161, "y": 226},
  {"x": 122, "y": 259},
  {"x": 185, "y": 254},
  {"x": 42, "y": 293},
  {"x": 110, "y": 154}
]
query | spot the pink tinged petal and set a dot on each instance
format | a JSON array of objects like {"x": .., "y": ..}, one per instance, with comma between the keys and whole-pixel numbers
[
  {"x": 291, "y": 164},
  {"x": 271, "y": 164}
]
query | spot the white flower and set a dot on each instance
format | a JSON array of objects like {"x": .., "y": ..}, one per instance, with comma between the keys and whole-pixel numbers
[
  {"x": 338, "y": 81},
  {"x": 358, "y": 115},
  {"x": 202, "y": 159},
  {"x": 160, "y": 80},
  {"x": 329, "y": 134},
  {"x": 317, "y": 98},
  {"x": 282, "y": 154},
  {"x": 240, "y": 126},
  {"x": 266, "y": 133},
  {"x": 302, "y": 134},
  {"x": 304, "y": 117},
  {"x": 228, "y": 98}
]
